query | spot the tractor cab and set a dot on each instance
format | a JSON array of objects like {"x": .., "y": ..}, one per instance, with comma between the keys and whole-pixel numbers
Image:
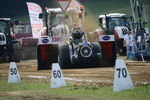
[
  {"x": 109, "y": 21},
  {"x": 58, "y": 22},
  {"x": 4, "y": 29}
]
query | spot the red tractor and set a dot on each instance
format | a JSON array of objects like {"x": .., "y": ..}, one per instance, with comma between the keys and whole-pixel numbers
[{"x": 23, "y": 34}]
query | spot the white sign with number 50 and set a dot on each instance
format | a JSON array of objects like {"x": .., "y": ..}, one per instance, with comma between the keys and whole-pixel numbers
[{"x": 13, "y": 74}]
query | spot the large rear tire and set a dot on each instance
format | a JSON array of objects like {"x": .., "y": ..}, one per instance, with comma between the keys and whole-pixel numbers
[
  {"x": 63, "y": 56},
  {"x": 16, "y": 54},
  {"x": 97, "y": 49}
]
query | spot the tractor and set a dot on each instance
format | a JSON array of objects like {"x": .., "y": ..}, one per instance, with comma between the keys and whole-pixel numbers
[
  {"x": 10, "y": 49},
  {"x": 57, "y": 29},
  {"x": 78, "y": 52},
  {"x": 23, "y": 34},
  {"x": 115, "y": 24},
  {"x": 110, "y": 35}
]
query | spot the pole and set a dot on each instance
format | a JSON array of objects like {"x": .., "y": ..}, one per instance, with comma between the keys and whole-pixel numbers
[{"x": 64, "y": 26}]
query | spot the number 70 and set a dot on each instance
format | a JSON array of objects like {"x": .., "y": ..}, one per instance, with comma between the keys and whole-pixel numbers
[{"x": 122, "y": 72}]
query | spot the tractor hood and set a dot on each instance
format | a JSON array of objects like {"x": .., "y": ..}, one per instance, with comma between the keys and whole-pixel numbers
[{"x": 121, "y": 31}]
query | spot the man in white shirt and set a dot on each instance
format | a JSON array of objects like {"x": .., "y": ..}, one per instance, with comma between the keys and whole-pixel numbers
[{"x": 128, "y": 41}]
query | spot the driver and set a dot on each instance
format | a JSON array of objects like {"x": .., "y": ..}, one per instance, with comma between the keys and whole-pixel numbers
[
  {"x": 113, "y": 24},
  {"x": 77, "y": 37}
]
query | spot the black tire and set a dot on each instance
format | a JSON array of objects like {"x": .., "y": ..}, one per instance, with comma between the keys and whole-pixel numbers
[
  {"x": 97, "y": 50},
  {"x": 16, "y": 54},
  {"x": 1, "y": 59},
  {"x": 6, "y": 59},
  {"x": 64, "y": 56}
]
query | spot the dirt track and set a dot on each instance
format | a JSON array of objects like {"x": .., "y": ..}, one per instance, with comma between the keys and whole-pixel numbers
[{"x": 139, "y": 72}]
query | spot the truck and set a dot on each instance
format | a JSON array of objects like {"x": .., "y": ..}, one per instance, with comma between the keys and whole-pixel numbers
[{"x": 10, "y": 49}]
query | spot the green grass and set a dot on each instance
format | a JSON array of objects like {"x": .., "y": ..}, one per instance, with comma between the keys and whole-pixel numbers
[
  {"x": 4, "y": 86},
  {"x": 32, "y": 89}
]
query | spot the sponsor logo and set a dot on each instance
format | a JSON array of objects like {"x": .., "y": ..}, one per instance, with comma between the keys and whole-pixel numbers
[
  {"x": 45, "y": 41},
  {"x": 57, "y": 39},
  {"x": 106, "y": 38}
]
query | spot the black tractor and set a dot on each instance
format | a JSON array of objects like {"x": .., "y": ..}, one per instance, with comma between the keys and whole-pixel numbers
[
  {"x": 78, "y": 52},
  {"x": 10, "y": 49}
]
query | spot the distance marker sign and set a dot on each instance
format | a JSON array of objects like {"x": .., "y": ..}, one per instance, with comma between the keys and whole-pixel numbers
[
  {"x": 64, "y": 4},
  {"x": 122, "y": 78},
  {"x": 13, "y": 76},
  {"x": 57, "y": 79}
]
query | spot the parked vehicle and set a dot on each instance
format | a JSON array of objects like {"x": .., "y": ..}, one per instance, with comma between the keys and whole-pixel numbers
[{"x": 10, "y": 49}]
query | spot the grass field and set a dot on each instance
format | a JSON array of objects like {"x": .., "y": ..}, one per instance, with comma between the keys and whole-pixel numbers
[{"x": 32, "y": 90}]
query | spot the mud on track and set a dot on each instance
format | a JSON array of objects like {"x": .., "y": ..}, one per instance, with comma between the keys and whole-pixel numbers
[{"x": 139, "y": 72}]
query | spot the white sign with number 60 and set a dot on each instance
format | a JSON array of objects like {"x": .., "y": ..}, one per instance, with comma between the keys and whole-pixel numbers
[{"x": 57, "y": 79}]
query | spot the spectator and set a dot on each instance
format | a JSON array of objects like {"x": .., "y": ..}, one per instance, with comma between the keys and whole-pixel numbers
[
  {"x": 148, "y": 40},
  {"x": 128, "y": 41}
]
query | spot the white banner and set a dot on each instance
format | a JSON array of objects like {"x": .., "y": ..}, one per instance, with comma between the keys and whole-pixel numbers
[{"x": 36, "y": 23}]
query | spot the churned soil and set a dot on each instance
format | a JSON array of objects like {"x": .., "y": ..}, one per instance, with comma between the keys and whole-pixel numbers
[{"x": 97, "y": 77}]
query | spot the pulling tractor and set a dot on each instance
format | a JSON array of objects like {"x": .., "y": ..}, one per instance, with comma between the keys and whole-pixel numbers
[
  {"x": 10, "y": 49},
  {"x": 78, "y": 52},
  {"x": 57, "y": 31},
  {"x": 140, "y": 51}
]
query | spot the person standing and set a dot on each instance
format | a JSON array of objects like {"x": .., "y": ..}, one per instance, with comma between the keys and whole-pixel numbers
[{"x": 128, "y": 42}]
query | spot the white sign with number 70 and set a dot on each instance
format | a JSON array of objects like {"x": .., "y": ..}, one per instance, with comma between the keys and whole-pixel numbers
[{"x": 122, "y": 78}]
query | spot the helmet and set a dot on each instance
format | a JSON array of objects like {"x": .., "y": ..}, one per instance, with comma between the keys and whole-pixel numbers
[{"x": 76, "y": 35}]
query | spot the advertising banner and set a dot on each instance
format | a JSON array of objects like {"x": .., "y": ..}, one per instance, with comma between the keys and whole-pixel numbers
[{"x": 36, "y": 23}]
